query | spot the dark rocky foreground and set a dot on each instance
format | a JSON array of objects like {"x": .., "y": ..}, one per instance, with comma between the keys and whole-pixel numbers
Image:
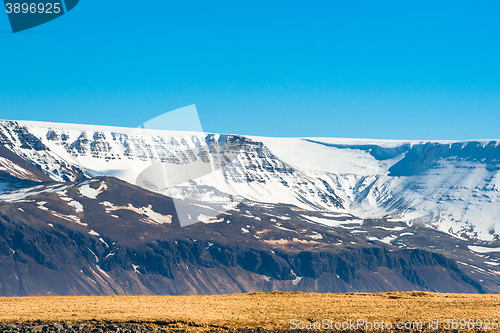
[
  {"x": 99, "y": 327},
  {"x": 85, "y": 327},
  {"x": 39, "y": 326}
]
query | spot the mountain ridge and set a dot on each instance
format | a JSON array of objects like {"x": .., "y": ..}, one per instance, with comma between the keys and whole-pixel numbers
[{"x": 450, "y": 185}]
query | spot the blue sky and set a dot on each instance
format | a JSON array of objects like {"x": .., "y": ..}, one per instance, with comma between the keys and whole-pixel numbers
[{"x": 361, "y": 69}]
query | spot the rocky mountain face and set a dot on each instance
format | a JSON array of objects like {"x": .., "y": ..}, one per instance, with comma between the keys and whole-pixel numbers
[
  {"x": 72, "y": 153},
  {"x": 105, "y": 236},
  {"x": 273, "y": 214},
  {"x": 451, "y": 186}
]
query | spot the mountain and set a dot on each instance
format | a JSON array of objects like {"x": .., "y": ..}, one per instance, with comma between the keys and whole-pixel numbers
[
  {"x": 272, "y": 214},
  {"x": 448, "y": 185},
  {"x": 105, "y": 236}
]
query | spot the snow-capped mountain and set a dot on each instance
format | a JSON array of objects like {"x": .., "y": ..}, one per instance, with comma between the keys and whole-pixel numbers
[
  {"x": 320, "y": 215},
  {"x": 449, "y": 185},
  {"x": 453, "y": 186}
]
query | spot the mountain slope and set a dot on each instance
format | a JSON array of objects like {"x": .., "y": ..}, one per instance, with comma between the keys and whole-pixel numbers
[
  {"x": 105, "y": 236},
  {"x": 451, "y": 186}
]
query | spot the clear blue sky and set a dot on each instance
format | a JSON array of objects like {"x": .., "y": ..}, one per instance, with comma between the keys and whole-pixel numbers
[{"x": 363, "y": 69}]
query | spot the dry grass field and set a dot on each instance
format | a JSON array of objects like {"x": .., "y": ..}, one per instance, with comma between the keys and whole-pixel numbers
[{"x": 266, "y": 310}]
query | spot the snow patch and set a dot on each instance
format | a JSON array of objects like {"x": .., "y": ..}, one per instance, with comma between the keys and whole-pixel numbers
[
  {"x": 151, "y": 216},
  {"x": 75, "y": 204},
  {"x": 41, "y": 205},
  {"x": 93, "y": 233},
  {"x": 297, "y": 240},
  {"x": 70, "y": 218},
  {"x": 331, "y": 223},
  {"x": 387, "y": 240},
  {"x": 315, "y": 235},
  {"x": 17, "y": 171},
  {"x": 281, "y": 217},
  {"x": 97, "y": 274},
  {"x": 95, "y": 257},
  {"x": 103, "y": 272},
  {"x": 91, "y": 193},
  {"x": 276, "y": 241},
  {"x": 491, "y": 263},
  {"x": 102, "y": 240},
  {"x": 209, "y": 219},
  {"x": 284, "y": 229},
  {"x": 390, "y": 229},
  {"x": 482, "y": 249},
  {"x": 339, "y": 215},
  {"x": 297, "y": 280}
]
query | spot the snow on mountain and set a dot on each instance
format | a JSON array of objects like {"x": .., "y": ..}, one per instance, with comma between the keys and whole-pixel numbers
[
  {"x": 255, "y": 174},
  {"x": 449, "y": 185}
]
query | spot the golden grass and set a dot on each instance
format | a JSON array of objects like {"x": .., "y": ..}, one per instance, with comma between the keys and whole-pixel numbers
[{"x": 267, "y": 310}]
